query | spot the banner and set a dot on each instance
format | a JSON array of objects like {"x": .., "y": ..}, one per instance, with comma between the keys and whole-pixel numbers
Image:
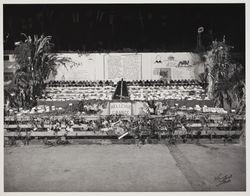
[
  {"x": 80, "y": 67},
  {"x": 120, "y": 108},
  {"x": 126, "y": 66},
  {"x": 172, "y": 66}
]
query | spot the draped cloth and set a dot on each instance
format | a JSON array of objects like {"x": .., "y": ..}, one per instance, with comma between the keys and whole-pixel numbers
[{"x": 121, "y": 91}]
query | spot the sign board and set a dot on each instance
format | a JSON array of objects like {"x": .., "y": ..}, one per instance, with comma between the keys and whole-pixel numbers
[
  {"x": 120, "y": 108},
  {"x": 126, "y": 66}
]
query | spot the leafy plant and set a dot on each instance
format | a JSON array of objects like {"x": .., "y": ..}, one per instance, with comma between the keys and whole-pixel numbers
[
  {"x": 35, "y": 64},
  {"x": 228, "y": 77}
]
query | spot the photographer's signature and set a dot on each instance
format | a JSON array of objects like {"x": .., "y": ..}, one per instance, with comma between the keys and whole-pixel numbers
[{"x": 222, "y": 179}]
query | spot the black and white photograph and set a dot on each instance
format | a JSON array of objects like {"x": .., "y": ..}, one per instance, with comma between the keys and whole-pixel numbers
[{"x": 124, "y": 97}]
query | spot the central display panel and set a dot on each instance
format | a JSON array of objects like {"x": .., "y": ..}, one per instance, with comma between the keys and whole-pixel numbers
[{"x": 126, "y": 66}]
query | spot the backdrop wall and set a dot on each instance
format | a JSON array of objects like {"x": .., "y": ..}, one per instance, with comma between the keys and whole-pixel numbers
[{"x": 130, "y": 66}]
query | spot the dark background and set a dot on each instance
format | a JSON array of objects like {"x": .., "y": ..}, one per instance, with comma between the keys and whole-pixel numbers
[{"x": 113, "y": 27}]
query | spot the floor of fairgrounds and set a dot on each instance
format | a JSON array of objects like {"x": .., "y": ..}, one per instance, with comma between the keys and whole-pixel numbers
[{"x": 158, "y": 167}]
